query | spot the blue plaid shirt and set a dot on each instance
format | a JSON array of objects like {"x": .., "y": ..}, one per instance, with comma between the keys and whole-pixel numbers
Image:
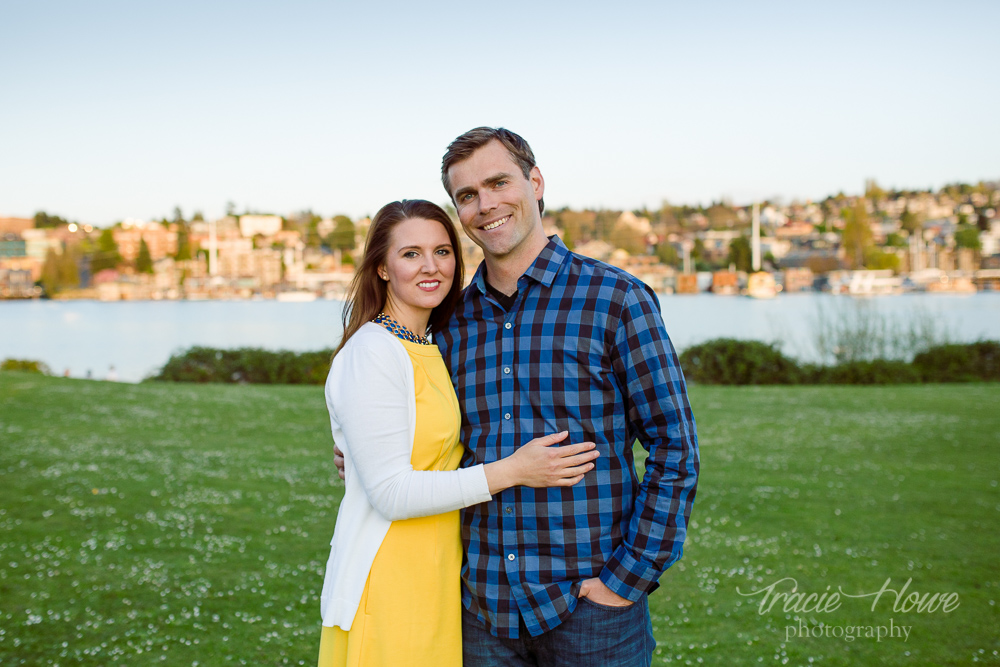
[{"x": 583, "y": 349}]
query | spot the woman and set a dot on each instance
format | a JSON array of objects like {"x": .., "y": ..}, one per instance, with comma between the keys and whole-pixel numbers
[{"x": 391, "y": 593}]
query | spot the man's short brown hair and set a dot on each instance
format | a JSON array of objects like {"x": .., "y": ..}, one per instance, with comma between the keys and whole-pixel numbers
[{"x": 464, "y": 146}]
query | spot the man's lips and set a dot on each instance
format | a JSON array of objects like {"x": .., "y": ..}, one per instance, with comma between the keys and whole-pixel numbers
[{"x": 495, "y": 223}]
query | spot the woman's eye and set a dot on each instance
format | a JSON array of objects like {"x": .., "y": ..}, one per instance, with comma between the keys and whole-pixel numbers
[
  {"x": 444, "y": 251},
  {"x": 410, "y": 254}
]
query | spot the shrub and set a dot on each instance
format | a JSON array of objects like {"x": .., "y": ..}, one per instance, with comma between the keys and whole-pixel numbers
[
  {"x": 971, "y": 362},
  {"x": 733, "y": 361},
  {"x": 246, "y": 365},
  {"x": 25, "y": 366},
  {"x": 879, "y": 371}
]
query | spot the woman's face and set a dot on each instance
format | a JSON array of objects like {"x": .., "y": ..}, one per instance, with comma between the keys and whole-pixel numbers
[{"x": 419, "y": 265}]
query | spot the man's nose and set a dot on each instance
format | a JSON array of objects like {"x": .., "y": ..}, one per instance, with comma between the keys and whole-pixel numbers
[{"x": 487, "y": 201}]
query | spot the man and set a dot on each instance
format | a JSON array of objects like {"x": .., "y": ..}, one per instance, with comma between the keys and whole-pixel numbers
[{"x": 542, "y": 341}]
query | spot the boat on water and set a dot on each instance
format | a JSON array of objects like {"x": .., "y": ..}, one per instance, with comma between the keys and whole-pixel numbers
[
  {"x": 942, "y": 282},
  {"x": 866, "y": 283},
  {"x": 761, "y": 285}
]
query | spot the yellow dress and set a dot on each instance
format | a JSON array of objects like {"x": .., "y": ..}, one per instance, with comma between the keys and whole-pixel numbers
[{"x": 410, "y": 611}]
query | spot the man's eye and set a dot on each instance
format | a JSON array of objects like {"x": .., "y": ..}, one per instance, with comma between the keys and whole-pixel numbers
[{"x": 465, "y": 197}]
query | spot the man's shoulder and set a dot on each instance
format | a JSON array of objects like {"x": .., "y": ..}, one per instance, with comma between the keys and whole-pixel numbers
[{"x": 588, "y": 269}]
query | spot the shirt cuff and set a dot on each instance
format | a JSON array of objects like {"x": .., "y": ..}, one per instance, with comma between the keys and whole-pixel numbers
[
  {"x": 628, "y": 577},
  {"x": 475, "y": 487}
]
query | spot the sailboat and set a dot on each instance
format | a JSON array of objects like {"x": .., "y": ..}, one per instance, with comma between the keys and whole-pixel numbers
[{"x": 760, "y": 284}]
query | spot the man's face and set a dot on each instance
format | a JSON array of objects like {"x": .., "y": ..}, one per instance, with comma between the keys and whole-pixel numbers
[{"x": 497, "y": 205}]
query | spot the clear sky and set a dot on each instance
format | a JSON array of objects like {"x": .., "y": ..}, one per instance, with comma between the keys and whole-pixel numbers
[{"x": 111, "y": 110}]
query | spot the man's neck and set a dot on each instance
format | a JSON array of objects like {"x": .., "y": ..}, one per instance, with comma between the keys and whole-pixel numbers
[{"x": 503, "y": 272}]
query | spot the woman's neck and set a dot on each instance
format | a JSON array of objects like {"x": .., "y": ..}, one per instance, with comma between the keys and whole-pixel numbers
[{"x": 414, "y": 319}]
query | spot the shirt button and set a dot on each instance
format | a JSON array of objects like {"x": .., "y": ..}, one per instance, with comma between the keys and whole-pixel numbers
[
  {"x": 507, "y": 325},
  {"x": 510, "y": 556},
  {"x": 507, "y": 510},
  {"x": 507, "y": 370},
  {"x": 507, "y": 416}
]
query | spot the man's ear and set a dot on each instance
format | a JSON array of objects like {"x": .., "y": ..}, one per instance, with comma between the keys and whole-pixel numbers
[{"x": 537, "y": 182}]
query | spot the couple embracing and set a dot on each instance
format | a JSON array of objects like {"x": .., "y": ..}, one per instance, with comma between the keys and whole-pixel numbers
[{"x": 492, "y": 513}]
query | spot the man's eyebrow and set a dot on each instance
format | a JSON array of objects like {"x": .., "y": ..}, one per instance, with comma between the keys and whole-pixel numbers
[{"x": 492, "y": 180}]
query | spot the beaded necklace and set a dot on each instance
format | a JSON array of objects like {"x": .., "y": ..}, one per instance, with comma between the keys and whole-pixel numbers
[{"x": 399, "y": 330}]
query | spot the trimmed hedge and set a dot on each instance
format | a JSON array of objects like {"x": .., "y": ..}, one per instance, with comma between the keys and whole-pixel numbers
[
  {"x": 879, "y": 371},
  {"x": 25, "y": 366},
  {"x": 246, "y": 365},
  {"x": 727, "y": 361},
  {"x": 975, "y": 362},
  {"x": 733, "y": 361}
]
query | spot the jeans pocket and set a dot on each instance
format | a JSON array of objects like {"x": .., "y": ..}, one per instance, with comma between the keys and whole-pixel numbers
[{"x": 607, "y": 608}]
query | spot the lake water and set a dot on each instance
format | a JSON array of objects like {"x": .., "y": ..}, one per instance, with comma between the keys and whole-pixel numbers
[{"x": 138, "y": 337}]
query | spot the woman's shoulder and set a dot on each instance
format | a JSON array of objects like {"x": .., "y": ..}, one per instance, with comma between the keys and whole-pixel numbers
[{"x": 370, "y": 341}]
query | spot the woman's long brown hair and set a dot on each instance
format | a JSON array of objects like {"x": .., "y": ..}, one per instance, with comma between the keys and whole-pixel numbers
[{"x": 367, "y": 293}]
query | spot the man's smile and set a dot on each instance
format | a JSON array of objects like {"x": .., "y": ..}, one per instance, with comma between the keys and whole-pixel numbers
[{"x": 495, "y": 223}]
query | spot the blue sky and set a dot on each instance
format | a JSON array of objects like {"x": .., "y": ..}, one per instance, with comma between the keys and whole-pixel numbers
[{"x": 115, "y": 110}]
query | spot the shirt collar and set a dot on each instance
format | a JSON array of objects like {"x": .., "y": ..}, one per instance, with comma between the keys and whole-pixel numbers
[{"x": 543, "y": 270}]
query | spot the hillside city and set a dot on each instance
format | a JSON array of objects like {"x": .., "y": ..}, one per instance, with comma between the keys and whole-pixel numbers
[{"x": 880, "y": 242}]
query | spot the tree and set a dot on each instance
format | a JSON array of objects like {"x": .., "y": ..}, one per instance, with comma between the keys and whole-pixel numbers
[
  {"x": 604, "y": 224},
  {"x": 878, "y": 259},
  {"x": 667, "y": 217},
  {"x": 667, "y": 253},
  {"x": 44, "y": 220},
  {"x": 873, "y": 191},
  {"x": 183, "y": 243},
  {"x": 740, "y": 253},
  {"x": 312, "y": 236},
  {"x": 60, "y": 271},
  {"x": 198, "y": 216},
  {"x": 628, "y": 238},
  {"x": 968, "y": 237},
  {"x": 144, "y": 262},
  {"x": 342, "y": 236},
  {"x": 577, "y": 226},
  {"x": 50, "y": 273},
  {"x": 107, "y": 255},
  {"x": 69, "y": 268},
  {"x": 894, "y": 240},
  {"x": 178, "y": 215},
  {"x": 909, "y": 220},
  {"x": 857, "y": 233},
  {"x": 720, "y": 216}
]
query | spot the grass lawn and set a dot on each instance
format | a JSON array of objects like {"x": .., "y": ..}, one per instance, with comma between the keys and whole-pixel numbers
[{"x": 189, "y": 524}]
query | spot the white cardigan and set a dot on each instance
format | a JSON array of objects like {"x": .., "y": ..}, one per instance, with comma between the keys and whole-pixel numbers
[{"x": 371, "y": 398}]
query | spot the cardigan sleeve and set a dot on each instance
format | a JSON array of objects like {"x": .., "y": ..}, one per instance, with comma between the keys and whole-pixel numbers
[{"x": 367, "y": 397}]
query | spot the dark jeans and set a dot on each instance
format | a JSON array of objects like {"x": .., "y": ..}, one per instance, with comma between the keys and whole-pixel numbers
[{"x": 593, "y": 636}]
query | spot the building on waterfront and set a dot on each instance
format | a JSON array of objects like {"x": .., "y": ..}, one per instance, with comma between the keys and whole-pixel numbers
[
  {"x": 161, "y": 240},
  {"x": 17, "y": 284},
  {"x": 265, "y": 225},
  {"x": 15, "y": 225}
]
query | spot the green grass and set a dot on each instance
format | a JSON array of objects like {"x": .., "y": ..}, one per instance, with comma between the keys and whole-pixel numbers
[{"x": 189, "y": 524}]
